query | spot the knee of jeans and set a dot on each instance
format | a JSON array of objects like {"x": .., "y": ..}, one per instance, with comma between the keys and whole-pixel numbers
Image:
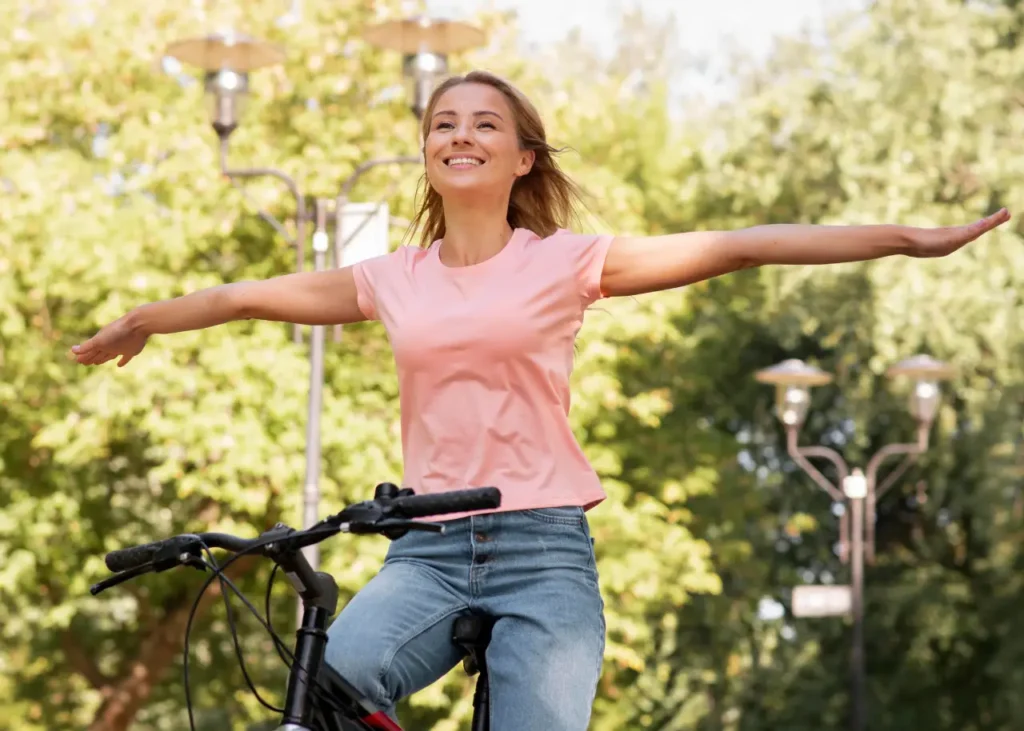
[{"x": 357, "y": 662}]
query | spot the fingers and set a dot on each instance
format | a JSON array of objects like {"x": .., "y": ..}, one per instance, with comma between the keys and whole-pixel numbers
[
  {"x": 95, "y": 357},
  {"x": 82, "y": 353},
  {"x": 92, "y": 352},
  {"x": 989, "y": 222},
  {"x": 84, "y": 349}
]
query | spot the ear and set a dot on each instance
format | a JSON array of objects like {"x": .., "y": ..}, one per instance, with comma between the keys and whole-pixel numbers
[{"x": 526, "y": 160}]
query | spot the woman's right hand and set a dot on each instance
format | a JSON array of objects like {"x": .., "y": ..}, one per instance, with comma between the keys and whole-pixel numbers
[{"x": 119, "y": 338}]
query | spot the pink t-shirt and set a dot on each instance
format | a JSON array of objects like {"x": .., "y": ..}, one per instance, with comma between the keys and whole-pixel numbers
[{"x": 483, "y": 355}]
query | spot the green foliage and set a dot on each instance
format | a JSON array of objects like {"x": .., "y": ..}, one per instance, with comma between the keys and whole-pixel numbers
[
  {"x": 116, "y": 201},
  {"x": 898, "y": 119},
  {"x": 112, "y": 198}
]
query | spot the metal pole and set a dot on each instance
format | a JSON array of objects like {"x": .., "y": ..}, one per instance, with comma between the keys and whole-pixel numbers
[
  {"x": 311, "y": 485},
  {"x": 311, "y": 488},
  {"x": 858, "y": 709},
  {"x": 339, "y": 238}
]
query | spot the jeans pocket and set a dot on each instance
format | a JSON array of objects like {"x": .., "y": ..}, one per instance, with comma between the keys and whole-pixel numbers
[{"x": 564, "y": 515}]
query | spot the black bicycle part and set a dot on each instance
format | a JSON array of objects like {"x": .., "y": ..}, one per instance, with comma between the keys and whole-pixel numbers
[
  {"x": 225, "y": 584},
  {"x": 327, "y": 705},
  {"x": 473, "y": 633},
  {"x": 315, "y": 692},
  {"x": 389, "y": 491}
]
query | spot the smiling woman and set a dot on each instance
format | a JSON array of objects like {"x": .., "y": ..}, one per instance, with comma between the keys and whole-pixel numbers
[
  {"x": 507, "y": 173},
  {"x": 482, "y": 318}
]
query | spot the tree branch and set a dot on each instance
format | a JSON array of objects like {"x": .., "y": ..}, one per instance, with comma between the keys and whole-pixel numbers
[{"x": 81, "y": 661}]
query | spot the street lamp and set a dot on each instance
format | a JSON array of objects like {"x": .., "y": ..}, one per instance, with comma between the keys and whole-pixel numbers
[
  {"x": 425, "y": 45},
  {"x": 226, "y": 59},
  {"x": 793, "y": 380}
]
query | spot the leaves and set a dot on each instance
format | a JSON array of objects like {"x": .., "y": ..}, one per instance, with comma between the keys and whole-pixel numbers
[{"x": 112, "y": 197}]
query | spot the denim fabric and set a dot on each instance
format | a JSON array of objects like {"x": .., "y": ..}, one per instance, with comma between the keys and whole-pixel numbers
[{"x": 533, "y": 569}]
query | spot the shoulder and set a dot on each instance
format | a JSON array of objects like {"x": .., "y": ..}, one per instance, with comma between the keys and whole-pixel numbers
[
  {"x": 401, "y": 258},
  {"x": 581, "y": 255},
  {"x": 565, "y": 242},
  {"x": 378, "y": 277},
  {"x": 410, "y": 254}
]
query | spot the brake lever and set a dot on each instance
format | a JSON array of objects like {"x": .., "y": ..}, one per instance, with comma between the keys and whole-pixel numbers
[
  {"x": 425, "y": 526},
  {"x": 120, "y": 578},
  {"x": 394, "y": 528},
  {"x": 390, "y": 527}
]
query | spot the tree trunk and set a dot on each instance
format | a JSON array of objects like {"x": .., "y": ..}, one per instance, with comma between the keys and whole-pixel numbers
[{"x": 127, "y": 694}]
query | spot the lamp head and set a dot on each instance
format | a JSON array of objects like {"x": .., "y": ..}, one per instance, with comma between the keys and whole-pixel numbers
[
  {"x": 927, "y": 372},
  {"x": 425, "y": 45},
  {"x": 793, "y": 380},
  {"x": 226, "y": 93},
  {"x": 422, "y": 72},
  {"x": 226, "y": 58}
]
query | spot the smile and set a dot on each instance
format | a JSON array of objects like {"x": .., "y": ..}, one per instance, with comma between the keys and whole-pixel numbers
[{"x": 463, "y": 161}]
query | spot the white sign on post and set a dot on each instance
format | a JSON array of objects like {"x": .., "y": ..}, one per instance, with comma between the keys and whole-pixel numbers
[
  {"x": 364, "y": 231},
  {"x": 822, "y": 601}
]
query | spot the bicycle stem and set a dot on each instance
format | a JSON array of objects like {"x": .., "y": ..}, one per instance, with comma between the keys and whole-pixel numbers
[{"x": 319, "y": 593}]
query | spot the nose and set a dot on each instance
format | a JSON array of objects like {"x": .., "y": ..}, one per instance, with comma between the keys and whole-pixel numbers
[{"x": 461, "y": 135}]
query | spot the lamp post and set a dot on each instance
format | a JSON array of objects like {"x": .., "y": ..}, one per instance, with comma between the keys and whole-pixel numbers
[
  {"x": 793, "y": 380},
  {"x": 227, "y": 58}
]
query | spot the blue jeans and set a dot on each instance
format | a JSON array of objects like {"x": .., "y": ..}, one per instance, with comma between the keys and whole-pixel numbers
[{"x": 533, "y": 569}]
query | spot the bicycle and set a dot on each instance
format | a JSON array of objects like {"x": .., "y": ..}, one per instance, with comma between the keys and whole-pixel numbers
[{"x": 317, "y": 698}]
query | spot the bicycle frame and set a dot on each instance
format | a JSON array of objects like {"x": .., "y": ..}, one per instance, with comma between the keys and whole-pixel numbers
[{"x": 315, "y": 690}]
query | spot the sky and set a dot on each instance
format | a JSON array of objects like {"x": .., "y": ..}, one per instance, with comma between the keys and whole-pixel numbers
[
  {"x": 703, "y": 25},
  {"x": 706, "y": 29}
]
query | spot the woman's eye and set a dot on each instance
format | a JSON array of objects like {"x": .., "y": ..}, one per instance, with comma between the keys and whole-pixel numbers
[{"x": 449, "y": 125}]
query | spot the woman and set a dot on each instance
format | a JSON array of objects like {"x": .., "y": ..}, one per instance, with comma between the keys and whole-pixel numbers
[{"x": 482, "y": 321}]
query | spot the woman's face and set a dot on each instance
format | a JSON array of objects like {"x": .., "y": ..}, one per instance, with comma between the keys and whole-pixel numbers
[{"x": 473, "y": 144}]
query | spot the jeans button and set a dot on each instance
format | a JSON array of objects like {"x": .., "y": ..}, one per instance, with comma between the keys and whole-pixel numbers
[
  {"x": 480, "y": 537},
  {"x": 479, "y": 558}
]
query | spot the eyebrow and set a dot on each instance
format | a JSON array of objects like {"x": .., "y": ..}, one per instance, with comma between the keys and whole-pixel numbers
[{"x": 483, "y": 113}]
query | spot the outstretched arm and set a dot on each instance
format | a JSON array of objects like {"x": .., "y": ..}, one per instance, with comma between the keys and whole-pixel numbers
[
  {"x": 635, "y": 265},
  {"x": 306, "y": 298}
]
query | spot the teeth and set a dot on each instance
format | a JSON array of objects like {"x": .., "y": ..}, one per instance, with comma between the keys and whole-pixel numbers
[{"x": 463, "y": 161}]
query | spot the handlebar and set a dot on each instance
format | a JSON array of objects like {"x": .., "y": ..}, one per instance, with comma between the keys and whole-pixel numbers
[
  {"x": 390, "y": 513},
  {"x": 126, "y": 559},
  {"x": 461, "y": 501}
]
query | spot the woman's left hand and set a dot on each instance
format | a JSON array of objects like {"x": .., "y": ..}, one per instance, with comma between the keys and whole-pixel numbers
[{"x": 928, "y": 243}]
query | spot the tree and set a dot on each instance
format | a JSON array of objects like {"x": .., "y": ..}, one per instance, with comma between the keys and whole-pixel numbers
[
  {"x": 896, "y": 119},
  {"x": 114, "y": 199}
]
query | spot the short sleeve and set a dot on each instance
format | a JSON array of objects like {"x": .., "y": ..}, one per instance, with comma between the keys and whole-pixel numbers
[
  {"x": 370, "y": 275},
  {"x": 586, "y": 254}
]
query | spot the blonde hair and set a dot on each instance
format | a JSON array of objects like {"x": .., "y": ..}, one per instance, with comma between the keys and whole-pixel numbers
[{"x": 543, "y": 200}]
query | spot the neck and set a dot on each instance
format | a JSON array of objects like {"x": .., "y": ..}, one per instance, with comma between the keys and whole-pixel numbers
[{"x": 474, "y": 233}]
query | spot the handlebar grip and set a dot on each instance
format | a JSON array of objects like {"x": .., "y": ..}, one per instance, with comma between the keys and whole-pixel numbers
[
  {"x": 460, "y": 501},
  {"x": 130, "y": 558}
]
